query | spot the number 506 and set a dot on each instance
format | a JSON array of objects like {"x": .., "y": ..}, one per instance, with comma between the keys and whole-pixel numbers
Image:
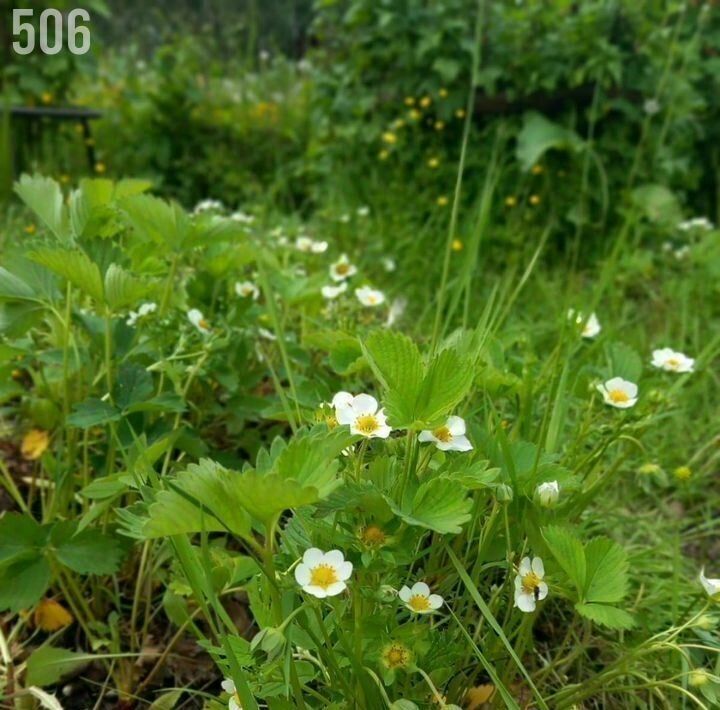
[{"x": 78, "y": 36}]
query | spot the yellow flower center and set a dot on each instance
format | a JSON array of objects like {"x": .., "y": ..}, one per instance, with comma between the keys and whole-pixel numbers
[
  {"x": 323, "y": 576},
  {"x": 443, "y": 434},
  {"x": 373, "y": 536},
  {"x": 530, "y": 582},
  {"x": 342, "y": 269},
  {"x": 418, "y": 602},
  {"x": 366, "y": 423},
  {"x": 618, "y": 396},
  {"x": 202, "y": 323},
  {"x": 673, "y": 363},
  {"x": 396, "y": 656}
]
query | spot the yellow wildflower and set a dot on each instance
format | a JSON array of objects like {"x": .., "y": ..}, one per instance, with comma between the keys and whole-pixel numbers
[{"x": 34, "y": 444}]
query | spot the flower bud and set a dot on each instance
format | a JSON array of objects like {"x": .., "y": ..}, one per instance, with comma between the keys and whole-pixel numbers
[
  {"x": 504, "y": 493},
  {"x": 548, "y": 493},
  {"x": 698, "y": 677}
]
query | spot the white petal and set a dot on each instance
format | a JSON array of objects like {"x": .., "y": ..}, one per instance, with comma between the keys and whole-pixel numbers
[
  {"x": 461, "y": 443},
  {"x": 345, "y": 415},
  {"x": 456, "y": 425},
  {"x": 342, "y": 399},
  {"x": 426, "y": 435},
  {"x": 436, "y": 601},
  {"x": 302, "y": 575},
  {"x": 364, "y": 404},
  {"x": 525, "y": 566},
  {"x": 234, "y": 705},
  {"x": 312, "y": 556},
  {"x": 228, "y": 685},
  {"x": 420, "y": 588},
  {"x": 382, "y": 432},
  {"x": 405, "y": 593},
  {"x": 318, "y": 592},
  {"x": 542, "y": 590},
  {"x": 334, "y": 558},
  {"x": 336, "y": 588},
  {"x": 538, "y": 567},
  {"x": 345, "y": 571},
  {"x": 525, "y": 602}
]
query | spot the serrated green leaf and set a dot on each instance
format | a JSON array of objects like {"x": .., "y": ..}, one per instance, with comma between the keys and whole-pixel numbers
[
  {"x": 607, "y": 566},
  {"x": 12, "y": 287},
  {"x": 439, "y": 504},
  {"x": 624, "y": 362},
  {"x": 122, "y": 289},
  {"x": 75, "y": 266},
  {"x": 396, "y": 362},
  {"x": 93, "y": 412},
  {"x": 44, "y": 197},
  {"x": 609, "y": 616},
  {"x": 23, "y": 583},
  {"x": 20, "y": 535},
  {"x": 567, "y": 549},
  {"x": 156, "y": 220},
  {"x": 445, "y": 384},
  {"x": 47, "y": 665},
  {"x": 133, "y": 385},
  {"x": 86, "y": 552}
]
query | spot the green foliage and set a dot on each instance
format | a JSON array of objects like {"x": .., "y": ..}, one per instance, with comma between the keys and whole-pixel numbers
[
  {"x": 598, "y": 571},
  {"x": 418, "y": 396}
]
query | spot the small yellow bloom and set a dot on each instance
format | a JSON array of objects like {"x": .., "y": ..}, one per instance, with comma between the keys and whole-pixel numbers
[
  {"x": 383, "y": 154},
  {"x": 46, "y": 97},
  {"x": 100, "y": 168},
  {"x": 476, "y": 697},
  {"x": 460, "y": 113},
  {"x": 442, "y": 93},
  {"x": 439, "y": 125},
  {"x": 534, "y": 200},
  {"x": 433, "y": 163},
  {"x": 510, "y": 201},
  {"x": 682, "y": 473},
  {"x": 648, "y": 469},
  {"x": 425, "y": 101},
  {"x": 389, "y": 137},
  {"x": 398, "y": 123},
  {"x": 409, "y": 100},
  {"x": 34, "y": 444},
  {"x": 414, "y": 114},
  {"x": 51, "y": 616},
  {"x": 457, "y": 245},
  {"x": 698, "y": 677},
  {"x": 442, "y": 201},
  {"x": 373, "y": 536},
  {"x": 396, "y": 655},
  {"x": 537, "y": 169},
  {"x": 30, "y": 229}
]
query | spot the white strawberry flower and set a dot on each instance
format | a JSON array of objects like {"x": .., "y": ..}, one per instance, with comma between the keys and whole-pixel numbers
[
  {"x": 619, "y": 393},
  {"x": 363, "y": 211},
  {"x": 672, "y": 361},
  {"x": 303, "y": 243},
  {"x": 198, "y": 320},
  {"x": 318, "y": 247},
  {"x": 323, "y": 574},
  {"x": 710, "y": 585},
  {"x": 590, "y": 326},
  {"x": 548, "y": 493},
  {"x": 369, "y": 296},
  {"x": 419, "y": 600},
  {"x": 331, "y": 292},
  {"x": 208, "y": 206},
  {"x": 242, "y": 217},
  {"x": 529, "y": 585},
  {"x": 388, "y": 263},
  {"x": 448, "y": 437},
  {"x": 695, "y": 223},
  {"x": 363, "y": 416},
  {"x": 228, "y": 685},
  {"x": 144, "y": 310},
  {"x": 247, "y": 289},
  {"x": 342, "y": 269}
]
